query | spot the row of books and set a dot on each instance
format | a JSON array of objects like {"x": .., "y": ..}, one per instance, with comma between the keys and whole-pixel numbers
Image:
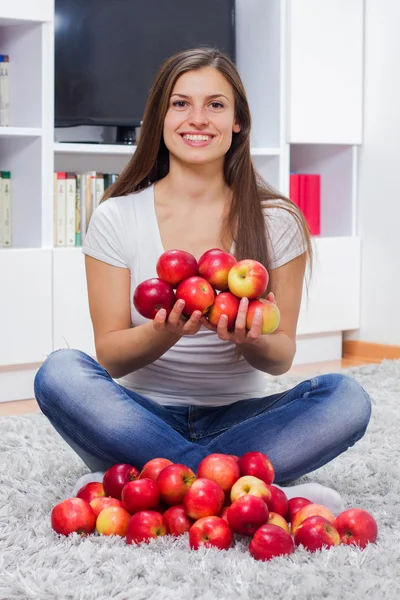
[
  {"x": 76, "y": 196},
  {"x": 4, "y": 90},
  {"x": 5, "y": 208},
  {"x": 305, "y": 191}
]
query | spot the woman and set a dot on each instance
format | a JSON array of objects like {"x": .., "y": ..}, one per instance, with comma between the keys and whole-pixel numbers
[{"x": 177, "y": 387}]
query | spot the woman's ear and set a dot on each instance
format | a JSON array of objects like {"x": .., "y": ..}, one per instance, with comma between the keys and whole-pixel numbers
[{"x": 236, "y": 128}]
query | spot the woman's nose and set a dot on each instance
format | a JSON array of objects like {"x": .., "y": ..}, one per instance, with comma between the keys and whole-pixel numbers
[{"x": 198, "y": 116}]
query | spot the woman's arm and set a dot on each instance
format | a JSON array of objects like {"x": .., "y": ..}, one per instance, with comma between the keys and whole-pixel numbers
[
  {"x": 121, "y": 348},
  {"x": 274, "y": 353}
]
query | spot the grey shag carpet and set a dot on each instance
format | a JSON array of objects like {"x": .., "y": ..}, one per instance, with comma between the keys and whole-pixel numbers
[{"x": 38, "y": 469}]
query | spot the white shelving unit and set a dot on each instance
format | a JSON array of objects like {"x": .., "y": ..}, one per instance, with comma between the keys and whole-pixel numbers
[{"x": 301, "y": 64}]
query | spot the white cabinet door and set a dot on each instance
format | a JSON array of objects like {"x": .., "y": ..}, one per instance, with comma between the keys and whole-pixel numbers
[
  {"x": 333, "y": 301},
  {"x": 25, "y": 306},
  {"x": 27, "y": 10},
  {"x": 72, "y": 326},
  {"x": 325, "y": 71}
]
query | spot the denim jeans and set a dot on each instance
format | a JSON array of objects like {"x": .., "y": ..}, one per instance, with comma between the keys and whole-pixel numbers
[{"x": 300, "y": 429}]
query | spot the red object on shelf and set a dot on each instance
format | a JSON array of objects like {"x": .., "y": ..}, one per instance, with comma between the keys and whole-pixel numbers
[{"x": 305, "y": 191}]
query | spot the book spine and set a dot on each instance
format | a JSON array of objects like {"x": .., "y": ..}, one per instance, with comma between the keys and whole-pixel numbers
[
  {"x": 99, "y": 188},
  {"x": 294, "y": 188},
  {"x": 61, "y": 206},
  {"x": 78, "y": 240},
  {"x": 1, "y": 209},
  {"x": 70, "y": 209},
  {"x": 6, "y": 208},
  {"x": 311, "y": 201},
  {"x": 4, "y": 90}
]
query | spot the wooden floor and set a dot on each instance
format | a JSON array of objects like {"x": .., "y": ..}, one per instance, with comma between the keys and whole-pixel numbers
[{"x": 23, "y": 407}]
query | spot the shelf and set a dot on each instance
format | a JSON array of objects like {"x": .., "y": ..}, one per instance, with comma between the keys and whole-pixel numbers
[
  {"x": 20, "y": 132},
  {"x": 120, "y": 150}
]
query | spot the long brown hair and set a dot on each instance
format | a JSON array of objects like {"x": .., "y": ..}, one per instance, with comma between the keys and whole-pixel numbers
[{"x": 245, "y": 220}]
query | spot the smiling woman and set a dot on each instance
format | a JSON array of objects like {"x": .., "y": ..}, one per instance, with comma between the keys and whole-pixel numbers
[{"x": 169, "y": 386}]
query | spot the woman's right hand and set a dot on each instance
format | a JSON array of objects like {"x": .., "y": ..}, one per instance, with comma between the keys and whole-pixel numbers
[{"x": 176, "y": 322}]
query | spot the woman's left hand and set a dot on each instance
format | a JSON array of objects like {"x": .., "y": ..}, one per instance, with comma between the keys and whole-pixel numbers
[{"x": 240, "y": 335}]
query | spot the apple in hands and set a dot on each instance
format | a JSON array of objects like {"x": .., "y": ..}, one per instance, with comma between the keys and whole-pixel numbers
[
  {"x": 210, "y": 531},
  {"x": 248, "y": 278},
  {"x": 173, "y": 266},
  {"x": 141, "y": 494},
  {"x": 153, "y": 468},
  {"x": 113, "y": 521},
  {"x": 145, "y": 525},
  {"x": 116, "y": 477},
  {"x": 257, "y": 464},
  {"x": 270, "y": 315},
  {"x": 152, "y": 295},
  {"x": 174, "y": 482},
  {"x": 214, "y": 265},
  {"x": 270, "y": 541},
  {"x": 204, "y": 498},
  {"x": 247, "y": 514},
  {"x": 227, "y": 304},
  {"x": 315, "y": 533},
  {"x": 221, "y": 468},
  {"x": 73, "y": 515},
  {"x": 197, "y": 294},
  {"x": 356, "y": 526}
]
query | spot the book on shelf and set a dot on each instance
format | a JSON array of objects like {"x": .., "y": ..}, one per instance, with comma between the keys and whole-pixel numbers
[
  {"x": 5, "y": 208},
  {"x": 4, "y": 90},
  {"x": 305, "y": 191},
  {"x": 76, "y": 196}
]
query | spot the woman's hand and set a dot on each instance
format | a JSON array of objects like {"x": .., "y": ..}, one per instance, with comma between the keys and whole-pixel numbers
[
  {"x": 240, "y": 335},
  {"x": 176, "y": 322}
]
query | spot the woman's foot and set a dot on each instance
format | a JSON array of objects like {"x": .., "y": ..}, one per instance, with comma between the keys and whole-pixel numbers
[
  {"x": 89, "y": 477},
  {"x": 318, "y": 494}
]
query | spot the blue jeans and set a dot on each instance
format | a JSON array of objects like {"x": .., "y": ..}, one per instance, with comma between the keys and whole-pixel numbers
[{"x": 300, "y": 429}]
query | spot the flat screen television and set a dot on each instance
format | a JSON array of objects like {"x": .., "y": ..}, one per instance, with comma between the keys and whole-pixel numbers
[{"x": 107, "y": 52}]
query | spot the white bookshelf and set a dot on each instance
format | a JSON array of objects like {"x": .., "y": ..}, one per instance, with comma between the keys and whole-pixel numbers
[{"x": 301, "y": 64}]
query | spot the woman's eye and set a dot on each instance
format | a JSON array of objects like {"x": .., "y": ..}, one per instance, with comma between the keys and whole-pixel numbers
[
  {"x": 217, "y": 105},
  {"x": 179, "y": 103}
]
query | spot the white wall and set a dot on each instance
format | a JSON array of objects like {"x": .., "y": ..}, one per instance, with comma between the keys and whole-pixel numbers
[{"x": 379, "y": 177}]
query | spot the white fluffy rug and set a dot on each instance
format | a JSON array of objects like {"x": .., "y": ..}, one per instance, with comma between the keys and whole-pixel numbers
[{"x": 37, "y": 470}]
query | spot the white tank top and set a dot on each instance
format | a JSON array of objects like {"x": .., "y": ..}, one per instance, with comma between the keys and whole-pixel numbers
[{"x": 200, "y": 369}]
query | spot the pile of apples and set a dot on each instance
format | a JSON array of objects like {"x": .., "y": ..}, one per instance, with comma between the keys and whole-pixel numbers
[
  {"x": 228, "y": 495},
  {"x": 213, "y": 285}
]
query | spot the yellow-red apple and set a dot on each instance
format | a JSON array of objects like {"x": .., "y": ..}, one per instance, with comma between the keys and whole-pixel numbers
[
  {"x": 113, "y": 520},
  {"x": 214, "y": 265},
  {"x": 276, "y": 519},
  {"x": 221, "y": 468},
  {"x": 248, "y": 484},
  {"x": 248, "y": 278},
  {"x": 311, "y": 510},
  {"x": 225, "y": 303},
  {"x": 271, "y": 315},
  {"x": 101, "y": 502},
  {"x": 315, "y": 533}
]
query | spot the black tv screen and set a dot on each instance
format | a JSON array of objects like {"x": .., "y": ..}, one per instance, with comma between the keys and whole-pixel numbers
[{"x": 107, "y": 52}]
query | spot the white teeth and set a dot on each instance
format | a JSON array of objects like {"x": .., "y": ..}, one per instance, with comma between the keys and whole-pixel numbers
[{"x": 197, "y": 138}]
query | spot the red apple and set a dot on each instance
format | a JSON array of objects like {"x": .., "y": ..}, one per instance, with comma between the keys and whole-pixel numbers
[
  {"x": 221, "y": 468},
  {"x": 153, "y": 468},
  {"x": 227, "y": 304},
  {"x": 258, "y": 465},
  {"x": 101, "y": 502},
  {"x": 247, "y": 514},
  {"x": 214, "y": 265},
  {"x": 210, "y": 532},
  {"x": 140, "y": 494},
  {"x": 315, "y": 533},
  {"x": 113, "y": 521},
  {"x": 173, "y": 483},
  {"x": 116, "y": 477},
  {"x": 311, "y": 510},
  {"x": 279, "y": 501},
  {"x": 174, "y": 266},
  {"x": 276, "y": 519},
  {"x": 91, "y": 490},
  {"x": 294, "y": 505},
  {"x": 224, "y": 513},
  {"x": 177, "y": 520},
  {"x": 270, "y": 541},
  {"x": 250, "y": 485},
  {"x": 197, "y": 293},
  {"x": 270, "y": 315},
  {"x": 356, "y": 526},
  {"x": 248, "y": 278},
  {"x": 151, "y": 295},
  {"x": 145, "y": 525},
  {"x": 204, "y": 498},
  {"x": 73, "y": 515}
]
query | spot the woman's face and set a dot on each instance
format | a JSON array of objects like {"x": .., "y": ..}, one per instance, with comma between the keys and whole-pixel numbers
[{"x": 200, "y": 118}]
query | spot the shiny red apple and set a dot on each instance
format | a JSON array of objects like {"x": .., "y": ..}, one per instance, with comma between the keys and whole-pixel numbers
[
  {"x": 152, "y": 295},
  {"x": 270, "y": 541},
  {"x": 221, "y": 468},
  {"x": 246, "y": 514},
  {"x": 225, "y": 303},
  {"x": 210, "y": 532},
  {"x": 311, "y": 510},
  {"x": 258, "y": 465},
  {"x": 214, "y": 265},
  {"x": 315, "y": 533},
  {"x": 270, "y": 315},
  {"x": 177, "y": 520},
  {"x": 197, "y": 293},
  {"x": 279, "y": 502},
  {"x": 73, "y": 515},
  {"x": 204, "y": 498},
  {"x": 116, "y": 477},
  {"x": 173, "y": 266},
  {"x": 140, "y": 494},
  {"x": 91, "y": 490},
  {"x": 174, "y": 482},
  {"x": 145, "y": 525},
  {"x": 153, "y": 468},
  {"x": 248, "y": 278},
  {"x": 356, "y": 526},
  {"x": 294, "y": 505}
]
